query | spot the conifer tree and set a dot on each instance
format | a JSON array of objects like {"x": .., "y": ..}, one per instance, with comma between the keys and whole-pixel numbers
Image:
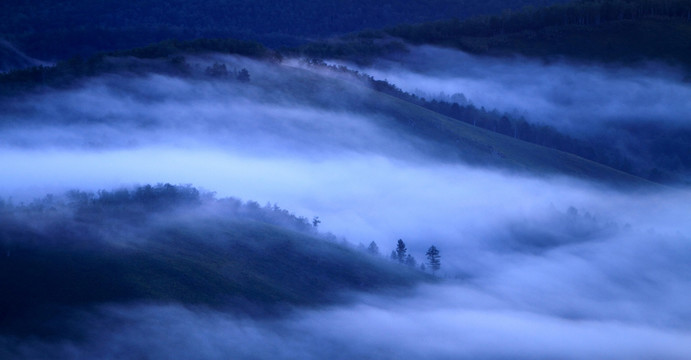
[
  {"x": 401, "y": 251},
  {"x": 373, "y": 248},
  {"x": 433, "y": 258}
]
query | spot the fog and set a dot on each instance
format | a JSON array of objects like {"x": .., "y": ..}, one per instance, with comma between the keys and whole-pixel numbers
[
  {"x": 465, "y": 325},
  {"x": 575, "y": 97},
  {"x": 533, "y": 266}
]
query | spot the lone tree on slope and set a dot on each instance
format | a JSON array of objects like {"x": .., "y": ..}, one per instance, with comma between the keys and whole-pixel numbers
[{"x": 433, "y": 258}]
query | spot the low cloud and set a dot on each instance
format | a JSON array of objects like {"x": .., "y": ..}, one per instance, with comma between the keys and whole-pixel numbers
[
  {"x": 420, "y": 327},
  {"x": 535, "y": 266},
  {"x": 577, "y": 98}
]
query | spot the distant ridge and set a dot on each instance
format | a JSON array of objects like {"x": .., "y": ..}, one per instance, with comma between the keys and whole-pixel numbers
[
  {"x": 622, "y": 31},
  {"x": 59, "y": 29}
]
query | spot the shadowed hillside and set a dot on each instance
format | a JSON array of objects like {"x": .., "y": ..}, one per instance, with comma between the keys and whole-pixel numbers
[{"x": 170, "y": 244}]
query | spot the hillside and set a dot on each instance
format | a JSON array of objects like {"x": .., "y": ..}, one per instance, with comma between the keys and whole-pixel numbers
[
  {"x": 634, "y": 35},
  {"x": 53, "y": 30},
  {"x": 476, "y": 145},
  {"x": 488, "y": 137},
  {"x": 455, "y": 139},
  {"x": 170, "y": 244}
]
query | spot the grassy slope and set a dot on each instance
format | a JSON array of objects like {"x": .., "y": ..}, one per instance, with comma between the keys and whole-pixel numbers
[
  {"x": 484, "y": 147},
  {"x": 450, "y": 138}
]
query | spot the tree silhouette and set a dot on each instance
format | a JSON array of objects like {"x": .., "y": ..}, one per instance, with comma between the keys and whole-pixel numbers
[
  {"x": 373, "y": 248},
  {"x": 433, "y": 258},
  {"x": 401, "y": 251},
  {"x": 217, "y": 70},
  {"x": 410, "y": 261},
  {"x": 244, "y": 75}
]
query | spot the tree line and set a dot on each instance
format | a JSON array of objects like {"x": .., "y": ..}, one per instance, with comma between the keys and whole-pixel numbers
[
  {"x": 400, "y": 254},
  {"x": 139, "y": 204},
  {"x": 64, "y": 73}
]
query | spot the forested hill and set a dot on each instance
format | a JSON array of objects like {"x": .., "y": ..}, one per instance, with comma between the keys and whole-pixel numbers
[
  {"x": 170, "y": 244},
  {"x": 600, "y": 30},
  {"x": 66, "y": 72},
  {"x": 58, "y": 29}
]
